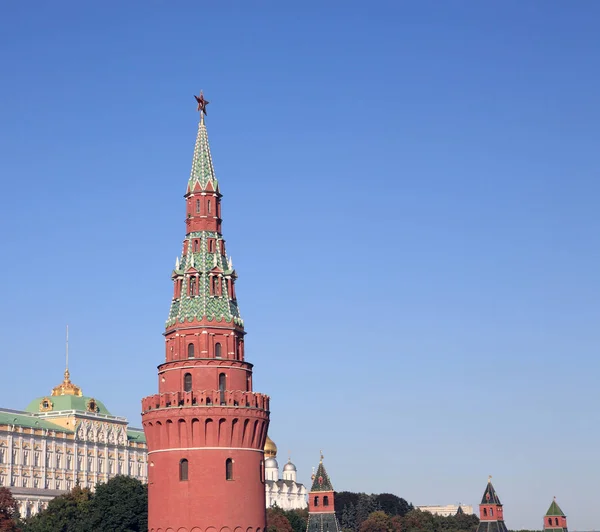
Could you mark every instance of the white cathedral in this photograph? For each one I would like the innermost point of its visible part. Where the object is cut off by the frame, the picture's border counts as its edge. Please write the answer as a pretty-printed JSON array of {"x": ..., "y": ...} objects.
[{"x": 285, "y": 493}]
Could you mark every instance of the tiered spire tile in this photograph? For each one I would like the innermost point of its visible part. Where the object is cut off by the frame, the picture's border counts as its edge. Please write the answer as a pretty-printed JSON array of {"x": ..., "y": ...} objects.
[
  {"x": 203, "y": 172},
  {"x": 321, "y": 480}
]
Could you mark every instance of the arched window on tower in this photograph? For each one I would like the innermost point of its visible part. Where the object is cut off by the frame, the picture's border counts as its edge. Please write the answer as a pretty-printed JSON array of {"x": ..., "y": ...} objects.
[
  {"x": 215, "y": 288},
  {"x": 229, "y": 469},
  {"x": 316, "y": 501},
  {"x": 556, "y": 521},
  {"x": 211, "y": 246},
  {"x": 222, "y": 387},
  {"x": 197, "y": 206},
  {"x": 209, "y": 207},
  {"x": 491, "y": 512},
  {"x": 183, "y": 469},
  {"x": 190, "y": 350},
  {"x": 195, "y": 246},
  {"x": 218, "y": 350},
  {"x": 550, "y": 520},
  {"x": 325, "y": 500},
  {"x": 484, "y": 512},
  {"x": 187, "y": 382},
  {"x": 192, "y": 286}
]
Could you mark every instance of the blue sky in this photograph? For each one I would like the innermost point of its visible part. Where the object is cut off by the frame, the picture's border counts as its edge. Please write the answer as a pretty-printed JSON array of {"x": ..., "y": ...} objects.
[{"x": 410, "y": 199}]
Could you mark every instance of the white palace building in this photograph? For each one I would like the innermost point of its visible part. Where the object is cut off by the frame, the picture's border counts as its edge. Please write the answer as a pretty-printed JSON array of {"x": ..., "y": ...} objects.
[{"x": 63, "y": 439}]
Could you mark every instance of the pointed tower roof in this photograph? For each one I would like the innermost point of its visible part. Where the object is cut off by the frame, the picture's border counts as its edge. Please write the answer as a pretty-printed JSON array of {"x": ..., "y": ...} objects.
[
  {"x": 460, "y": 511},
  {"x": 203, "y": 172},
  {"x": 489, "y": 495},
  {"x": 554, "y": 510},
  {"x": 320, "y": 479}
]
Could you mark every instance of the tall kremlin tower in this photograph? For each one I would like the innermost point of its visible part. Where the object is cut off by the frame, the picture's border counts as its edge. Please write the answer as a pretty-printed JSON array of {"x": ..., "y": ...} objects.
[
  {"x": 321, "y": 504},
  {"x": 555, "y": 520},
  {"x": 491, "y": 514},
  {"x": 205, "y": 427}
]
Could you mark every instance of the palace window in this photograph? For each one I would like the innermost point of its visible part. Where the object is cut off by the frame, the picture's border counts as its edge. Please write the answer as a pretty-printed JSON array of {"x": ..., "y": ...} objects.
[
  {"x": 229, "y": 469},
  {"x": 183, "y": 469},
  {"x": 187, "y": 382},
  {"x": 190, "y": 350},
  {"x": 217, "y": 350}
]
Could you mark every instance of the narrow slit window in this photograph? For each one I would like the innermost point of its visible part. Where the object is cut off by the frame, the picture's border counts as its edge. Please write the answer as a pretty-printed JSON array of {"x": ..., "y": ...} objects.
[
  {"x": 229, "y": 469},
  {"x": 218, "y": 350},
  {"x": 197, "y": 206},
  {"x": 190, "y": 350},
  {"x": 209, "y": 207},
  {"x": 183, "y": 469},
  {"x": 187, "y": 382}
]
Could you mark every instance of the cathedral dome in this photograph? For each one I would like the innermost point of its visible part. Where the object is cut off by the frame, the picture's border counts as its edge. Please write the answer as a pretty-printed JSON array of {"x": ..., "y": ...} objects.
[
  {"x": 271, "y": 462},
  {"x": 289, "y": 467},
  {"x": 270, "y": 448}
]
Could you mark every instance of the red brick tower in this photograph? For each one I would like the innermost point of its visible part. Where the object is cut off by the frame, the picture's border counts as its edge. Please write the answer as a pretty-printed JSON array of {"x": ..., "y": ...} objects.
[
  {"x": 555, "y": 520},
  {"x": 321, "y": 507},
  {"x": 491, "y": 514},
  {"x": 205, "y": 428}
]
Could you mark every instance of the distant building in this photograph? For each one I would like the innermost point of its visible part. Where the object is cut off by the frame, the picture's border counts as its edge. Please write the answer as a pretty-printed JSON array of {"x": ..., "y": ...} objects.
[
  {"x": 285, "y": 493},
  {"x": 555, "y": 520},
  {"x": 491, "y": 513},
  {"x": 321, "y": 503},
  {"x": 449, "y": 509},
  {"x": 63, "y": 439}
]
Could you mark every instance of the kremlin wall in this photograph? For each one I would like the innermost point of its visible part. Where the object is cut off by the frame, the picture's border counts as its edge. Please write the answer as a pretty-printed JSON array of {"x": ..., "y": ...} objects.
[{"x": 203, "y": 449}]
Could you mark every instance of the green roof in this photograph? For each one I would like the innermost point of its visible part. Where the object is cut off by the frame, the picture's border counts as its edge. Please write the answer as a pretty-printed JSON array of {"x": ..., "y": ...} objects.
[
  {"x": 136, "y": 435},
  {"x": 29, "y": 421},
  {"x": 321, "y": 480},
  {"x": 67, "y": 402},
  {"x": 202, "y": 172},
  {"x": 554, "y": 510}
]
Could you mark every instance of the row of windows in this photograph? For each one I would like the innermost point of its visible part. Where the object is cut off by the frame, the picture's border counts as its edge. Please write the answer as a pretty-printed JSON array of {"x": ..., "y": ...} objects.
[
  {"x": 555, "y": 521},
  {"x": 485, "y": 513},
  {"x": 199, "y": 206},
  {"x": 211, "y": 245},
  {"x": 216, "y": 287},
  {"x": 218, "y": 350},
  {"x": 325, "y": 500},
  {"x": 184, "y": 469}
]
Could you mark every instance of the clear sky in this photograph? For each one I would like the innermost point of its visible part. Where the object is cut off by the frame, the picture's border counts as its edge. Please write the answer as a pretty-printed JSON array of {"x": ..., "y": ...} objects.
[{"x": 411, "y": 201}]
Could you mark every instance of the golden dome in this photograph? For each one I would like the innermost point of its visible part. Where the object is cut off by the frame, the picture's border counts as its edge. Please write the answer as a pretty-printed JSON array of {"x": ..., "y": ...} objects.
[
  {"x": 270, "y": 448},
  {"x": 66, "y": 387}
]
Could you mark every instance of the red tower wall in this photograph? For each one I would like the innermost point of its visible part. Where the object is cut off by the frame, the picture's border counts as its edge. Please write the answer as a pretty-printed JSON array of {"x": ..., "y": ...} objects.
[
  {"x": 205, "y": 414},
  {"x": 317, "y": 500}
]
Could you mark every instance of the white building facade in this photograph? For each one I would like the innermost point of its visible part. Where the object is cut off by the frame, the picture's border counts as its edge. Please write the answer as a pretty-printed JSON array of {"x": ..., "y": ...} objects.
[
  {"x": 285, "y": 493},
  {"x": 70, "y": 439},
  {"x": 448, "y": 510}
]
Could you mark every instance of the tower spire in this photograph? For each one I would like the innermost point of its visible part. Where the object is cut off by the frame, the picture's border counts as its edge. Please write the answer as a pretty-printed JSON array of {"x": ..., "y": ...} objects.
[
  {"x": 321, "y": 506},
  {"x": 491, "y": 513},
  {"x": 205, "y": 376}
]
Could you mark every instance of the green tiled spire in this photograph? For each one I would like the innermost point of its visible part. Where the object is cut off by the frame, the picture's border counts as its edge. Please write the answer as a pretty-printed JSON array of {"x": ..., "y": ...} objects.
[
  {"x": 203, "y": 172},
  {"x": 321, "y": 480},
  {"x": 219, "y": 308},
  {"x": 554, "y": 510}
]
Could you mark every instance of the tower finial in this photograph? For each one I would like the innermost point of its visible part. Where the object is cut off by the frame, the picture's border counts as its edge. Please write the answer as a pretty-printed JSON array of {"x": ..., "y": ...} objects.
[
  {"x": 202, "y": 103},
  {"x": 321, "y": 456},
  {"x": 67, "y": 351},
  {"x": 489, "y": 479}
]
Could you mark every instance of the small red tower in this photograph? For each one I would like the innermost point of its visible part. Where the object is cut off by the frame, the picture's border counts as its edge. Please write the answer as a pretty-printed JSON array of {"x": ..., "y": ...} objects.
[
  {"x": 491, "y": 514},
  {"x": 205, "y": 427},
  {"x": 321, "y": 507},
  {"x": 555, "y": 520}
]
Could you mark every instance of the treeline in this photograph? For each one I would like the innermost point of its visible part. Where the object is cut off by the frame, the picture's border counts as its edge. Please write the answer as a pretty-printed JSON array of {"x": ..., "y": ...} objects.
[{"x": 120, "y": 505}]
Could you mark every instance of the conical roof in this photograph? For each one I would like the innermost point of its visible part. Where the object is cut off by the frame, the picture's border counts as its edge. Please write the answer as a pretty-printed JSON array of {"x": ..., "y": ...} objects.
[
  {"x": 554, "y": 510},
  {"x": 489, "y": 495},
  {"x": 321, "y": 480},
  {"x": 203, "y": 171}
]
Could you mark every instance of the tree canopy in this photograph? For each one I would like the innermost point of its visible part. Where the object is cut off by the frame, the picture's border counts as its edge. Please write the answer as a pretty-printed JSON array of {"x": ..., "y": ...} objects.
[{"x": 9, "y": 511}]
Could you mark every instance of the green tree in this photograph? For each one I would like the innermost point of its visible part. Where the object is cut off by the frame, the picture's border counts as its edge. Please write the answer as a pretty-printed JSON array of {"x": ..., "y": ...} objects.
[
  {"x": 65, "y": 513},
  {"x": 277, "y": 521},
  {"x": 120, "y": 505},
  {"x": 9, "y": 511},
  {"x": 376, "y": 522},
  {"x": 392, "y": 504},
  {"x": 298, "y": 519}
]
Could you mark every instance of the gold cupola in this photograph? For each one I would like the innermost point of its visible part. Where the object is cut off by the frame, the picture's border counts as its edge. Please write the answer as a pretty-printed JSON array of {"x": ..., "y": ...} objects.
[
  {"x": 66, "y": 387},
  {"x": 270, "y": 448}
]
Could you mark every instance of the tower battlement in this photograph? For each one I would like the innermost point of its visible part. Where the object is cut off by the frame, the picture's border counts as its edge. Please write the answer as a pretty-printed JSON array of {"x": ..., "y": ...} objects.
[{"x": 206, "y": 399}]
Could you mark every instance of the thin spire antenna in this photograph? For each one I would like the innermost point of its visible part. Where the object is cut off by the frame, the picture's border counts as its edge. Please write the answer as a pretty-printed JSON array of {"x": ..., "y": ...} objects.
[{"x": 67, "y": 350}]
